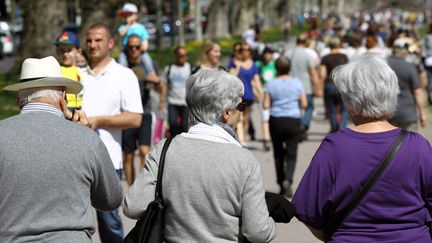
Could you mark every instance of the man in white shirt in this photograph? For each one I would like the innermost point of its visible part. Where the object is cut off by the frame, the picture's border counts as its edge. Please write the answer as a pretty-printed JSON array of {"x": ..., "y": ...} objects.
[{"x": 112, "y": 102}]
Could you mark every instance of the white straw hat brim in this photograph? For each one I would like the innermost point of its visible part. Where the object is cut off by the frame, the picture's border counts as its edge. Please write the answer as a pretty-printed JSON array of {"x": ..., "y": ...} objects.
[{"x": 71, "y": 87}]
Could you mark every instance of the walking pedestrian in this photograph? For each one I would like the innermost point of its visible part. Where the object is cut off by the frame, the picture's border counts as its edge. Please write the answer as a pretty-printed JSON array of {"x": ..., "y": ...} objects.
[
  {"x": 175, "y": 77},
  {"x": 285, "y": 97},
  {"x": 52, "y": 170},
  {"x": 397, "y": 207},
  {"x": 304, "y": 68},
  {"x": 112, "y": 102},
  {"x": 147, "y": 80},
  {"x": 212, "y": 187},
  {"x": 410, "y": 109},
  {"x": 247, "y": 72},
  {"x": 267, "y": 71},
  {"x": 336, "y": 110}
]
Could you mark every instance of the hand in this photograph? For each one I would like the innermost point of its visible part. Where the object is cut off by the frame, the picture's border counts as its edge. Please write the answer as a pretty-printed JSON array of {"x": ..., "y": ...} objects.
[
  {"x": 161, "y": 105},
  {"x": 80, "y": 117},
  {"x": 93, "y": 121},
  {"x": 319, "y": 93},
  {"x": 422, "y": 118},
  {"x": 131, "y": 19}
]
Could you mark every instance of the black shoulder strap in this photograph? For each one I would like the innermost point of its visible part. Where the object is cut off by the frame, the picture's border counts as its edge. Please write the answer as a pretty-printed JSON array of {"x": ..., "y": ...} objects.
[
  {"x": 334, "y": 222},
  {"x": 158, "y": 191}
]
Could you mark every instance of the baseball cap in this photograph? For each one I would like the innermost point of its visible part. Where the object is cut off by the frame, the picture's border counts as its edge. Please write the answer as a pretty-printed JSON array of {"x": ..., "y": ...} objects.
[
  {"x": 129, "y": 8},
  {"x": 67, "y": 38}
]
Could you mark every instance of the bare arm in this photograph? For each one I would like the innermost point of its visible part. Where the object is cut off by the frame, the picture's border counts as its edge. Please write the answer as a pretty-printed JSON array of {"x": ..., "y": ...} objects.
[
  {"x": 144, "y": 45},
  {"x": 153, "y": 77},
  {"x": 317, "y": 86},
  {"x": 121, "y": 121},
  {"x": 123, "y": 31},
  {"x": 322, "y": 73},
  {"x": 303, "y": 101},
  {"x": 266, "y": 101},
  {"x": 418, "y": 96},
  {"x": 257, "y": 87}
]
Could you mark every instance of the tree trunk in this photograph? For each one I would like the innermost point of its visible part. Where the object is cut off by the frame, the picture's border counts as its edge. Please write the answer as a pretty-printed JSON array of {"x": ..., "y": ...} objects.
[
  {"x": 198, "y": 27},
  {"x": 159, "y": 33},
  {"x": 181, "y": 30},
  {"x": 217, "y": 24},
  {"x": 244, "y": 16},
  {"x": 96, "y": 11},
  {"x": 43, "y": 22}
]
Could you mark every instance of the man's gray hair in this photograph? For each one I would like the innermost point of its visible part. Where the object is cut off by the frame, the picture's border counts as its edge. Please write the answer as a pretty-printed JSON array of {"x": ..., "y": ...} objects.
[
  {"x": 26, "y": 96},
  {"x": 210, "y": 92},
  {"x": 368, "y": 86}
]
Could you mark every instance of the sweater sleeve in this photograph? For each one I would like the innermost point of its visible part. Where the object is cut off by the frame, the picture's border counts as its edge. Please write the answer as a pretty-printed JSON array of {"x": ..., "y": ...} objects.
[
  {"x": 142, "y": 191},
  {"x": 106, "y": 190},
  {"x": 257, "y": 225}
]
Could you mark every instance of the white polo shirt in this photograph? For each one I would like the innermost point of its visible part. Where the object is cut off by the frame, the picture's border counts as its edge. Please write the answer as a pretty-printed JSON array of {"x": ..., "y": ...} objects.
[{"x": 112, "y": 91}]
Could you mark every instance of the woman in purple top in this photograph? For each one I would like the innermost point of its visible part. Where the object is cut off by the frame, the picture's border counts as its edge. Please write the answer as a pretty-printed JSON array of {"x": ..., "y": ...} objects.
[{"x": 396, "y": 208}]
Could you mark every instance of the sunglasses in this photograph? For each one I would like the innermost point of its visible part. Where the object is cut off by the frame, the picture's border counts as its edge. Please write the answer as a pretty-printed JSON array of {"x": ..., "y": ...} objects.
[
  {"x": 241, "y": 106},
  {"x": 134, "y": 47}
]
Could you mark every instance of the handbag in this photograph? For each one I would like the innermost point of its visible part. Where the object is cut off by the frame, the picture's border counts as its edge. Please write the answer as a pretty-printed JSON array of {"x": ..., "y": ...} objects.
[
  {"x": 149, "y": 228},
  {"x": 334, "y": 222}
]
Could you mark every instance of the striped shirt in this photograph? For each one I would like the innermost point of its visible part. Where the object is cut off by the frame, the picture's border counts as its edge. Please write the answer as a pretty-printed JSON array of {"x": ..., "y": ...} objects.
[{"x": 36, "y": 107}]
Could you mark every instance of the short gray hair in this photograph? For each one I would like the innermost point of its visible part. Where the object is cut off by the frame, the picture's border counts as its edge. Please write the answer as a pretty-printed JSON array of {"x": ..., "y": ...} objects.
[
  {"x": 210, "y": 92},
  {"x": 26, "y": 96},
  {"x": 368, "y": 86}
]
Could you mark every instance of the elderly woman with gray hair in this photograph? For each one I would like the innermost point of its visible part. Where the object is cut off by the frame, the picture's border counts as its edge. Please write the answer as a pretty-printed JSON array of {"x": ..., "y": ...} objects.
[
  {"x": 396, "y": 208},
  {"x": 213, "y": 188}
]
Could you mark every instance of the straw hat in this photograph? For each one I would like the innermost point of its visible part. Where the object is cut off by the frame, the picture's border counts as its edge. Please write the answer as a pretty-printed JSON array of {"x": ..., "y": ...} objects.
[{"x": 44, "y": 72}]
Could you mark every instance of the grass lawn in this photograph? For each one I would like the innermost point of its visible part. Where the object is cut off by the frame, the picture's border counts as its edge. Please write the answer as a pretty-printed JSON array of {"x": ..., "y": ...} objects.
[{"x": 8, "y": 106}]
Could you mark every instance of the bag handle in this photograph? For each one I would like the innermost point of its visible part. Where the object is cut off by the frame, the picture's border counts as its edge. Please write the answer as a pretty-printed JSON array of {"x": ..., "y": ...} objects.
[
  {"x": 335, "y": 222},
  {"x": 158, "y": 191}
]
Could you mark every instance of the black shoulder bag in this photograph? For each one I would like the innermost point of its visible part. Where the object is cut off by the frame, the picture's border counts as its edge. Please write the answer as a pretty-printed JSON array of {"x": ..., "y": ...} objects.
[
  {"x": 334, "y": 222},
  {"x": 149, "y": 229}
]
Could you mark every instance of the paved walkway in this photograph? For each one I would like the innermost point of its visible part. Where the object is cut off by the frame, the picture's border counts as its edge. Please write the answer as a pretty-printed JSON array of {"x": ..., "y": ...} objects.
[{"x": 294, "y": 231}]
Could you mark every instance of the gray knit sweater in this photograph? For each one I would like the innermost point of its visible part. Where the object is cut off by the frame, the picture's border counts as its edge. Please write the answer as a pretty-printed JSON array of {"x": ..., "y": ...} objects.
[
  {"x": 52, "y": 171},
  {"x": 213, "y": 192}
]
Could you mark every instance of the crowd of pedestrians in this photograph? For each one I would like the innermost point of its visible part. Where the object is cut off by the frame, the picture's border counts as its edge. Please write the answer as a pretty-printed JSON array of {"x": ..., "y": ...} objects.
[{"x": 372, "y": 71}]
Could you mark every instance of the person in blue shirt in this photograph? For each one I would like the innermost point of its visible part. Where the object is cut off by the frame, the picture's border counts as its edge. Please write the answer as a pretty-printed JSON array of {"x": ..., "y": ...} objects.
[
  {"x": 129, "y": 27},
  {"x": 285, "y": 97}
]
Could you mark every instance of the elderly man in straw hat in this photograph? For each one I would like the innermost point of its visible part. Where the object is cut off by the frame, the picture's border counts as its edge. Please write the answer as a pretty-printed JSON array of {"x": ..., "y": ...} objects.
[{"x": 52, "y": 171}]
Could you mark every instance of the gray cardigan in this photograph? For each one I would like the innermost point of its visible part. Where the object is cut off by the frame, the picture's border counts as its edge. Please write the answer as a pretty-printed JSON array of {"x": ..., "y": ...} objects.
[
  {"x": 213, "y": 192},
  {"x": 52, "y": 171}
]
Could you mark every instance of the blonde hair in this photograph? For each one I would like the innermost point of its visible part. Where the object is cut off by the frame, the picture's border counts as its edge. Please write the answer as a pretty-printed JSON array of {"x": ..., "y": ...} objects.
[{"x": 205, "y": 49}]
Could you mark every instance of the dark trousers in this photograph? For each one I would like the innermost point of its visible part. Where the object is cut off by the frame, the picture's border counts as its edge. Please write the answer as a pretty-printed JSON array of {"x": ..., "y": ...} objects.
[
  {"x": 335, "y": 107},
  {"x": 308, "y": 114},
  {"x": 178, "y": 119},
  {"x": 285, "y": 135}
]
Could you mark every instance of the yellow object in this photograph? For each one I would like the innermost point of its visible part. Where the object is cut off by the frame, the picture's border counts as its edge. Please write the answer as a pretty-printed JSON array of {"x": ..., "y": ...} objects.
[{"x": 74, "y": 100}]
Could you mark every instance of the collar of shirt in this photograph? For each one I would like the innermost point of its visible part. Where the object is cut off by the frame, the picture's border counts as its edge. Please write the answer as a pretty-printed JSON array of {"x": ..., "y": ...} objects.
[
  {"x": 41, "y": 107},
  {"x": 213, "y": 133},
  {"x": 106, "y": 69}
]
